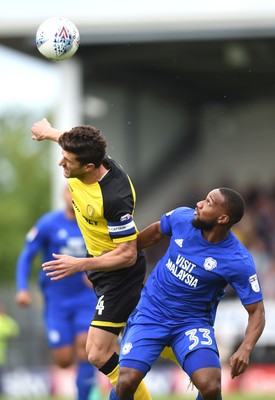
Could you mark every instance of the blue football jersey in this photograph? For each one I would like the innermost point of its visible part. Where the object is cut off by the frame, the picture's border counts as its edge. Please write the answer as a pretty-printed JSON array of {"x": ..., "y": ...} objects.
[
  {"x": 53, "y": 233},
  {"x": 190, "y": 279}
]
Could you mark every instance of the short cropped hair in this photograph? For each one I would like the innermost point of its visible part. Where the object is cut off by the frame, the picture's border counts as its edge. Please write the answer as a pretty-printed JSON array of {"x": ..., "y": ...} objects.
[
  {"x": 234, "y": 204},
  {"x": 86, "y": 142}
]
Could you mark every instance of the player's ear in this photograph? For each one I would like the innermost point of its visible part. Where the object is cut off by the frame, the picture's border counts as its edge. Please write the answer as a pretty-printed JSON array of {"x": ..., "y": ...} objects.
[
  {"x": 223, "y": 219},
  {"x": 90, "y": 167}
]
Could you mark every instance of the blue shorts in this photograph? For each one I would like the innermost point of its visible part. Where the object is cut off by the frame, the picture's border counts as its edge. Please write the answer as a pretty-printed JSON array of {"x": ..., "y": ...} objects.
[
  {"x": 67, "y": 317},
  {"x": 142, "y": 343}
]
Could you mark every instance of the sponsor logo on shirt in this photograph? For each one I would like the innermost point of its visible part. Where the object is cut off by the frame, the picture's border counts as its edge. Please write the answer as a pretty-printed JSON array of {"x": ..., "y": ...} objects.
[
  {"x": 182, "y": 269},
  {"x": 209, "y": 264},
  {"x": 253, "y": 279}
]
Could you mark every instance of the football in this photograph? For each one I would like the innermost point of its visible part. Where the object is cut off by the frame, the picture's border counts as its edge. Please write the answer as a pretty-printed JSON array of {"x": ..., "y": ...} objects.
[{"x": 57, "y": 38}]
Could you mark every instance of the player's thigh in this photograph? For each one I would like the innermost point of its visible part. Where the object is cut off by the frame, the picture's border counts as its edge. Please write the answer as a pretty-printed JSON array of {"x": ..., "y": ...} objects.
[
  {"x": 142, "y": 344},
  {"x": 188, "y": 340},
  {"x": 204, "y": 368},
  {"x": 101, "y": 344}
]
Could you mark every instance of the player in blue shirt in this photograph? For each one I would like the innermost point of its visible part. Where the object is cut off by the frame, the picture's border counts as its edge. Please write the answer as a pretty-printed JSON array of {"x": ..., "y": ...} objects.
[
  {"x": 179, "y": 301},
  {"x": 68, "y": 303}
]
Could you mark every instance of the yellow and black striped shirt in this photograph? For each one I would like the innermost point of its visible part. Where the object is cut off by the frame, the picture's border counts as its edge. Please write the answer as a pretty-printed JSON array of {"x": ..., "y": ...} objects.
[{"x": 104, "y": 212}]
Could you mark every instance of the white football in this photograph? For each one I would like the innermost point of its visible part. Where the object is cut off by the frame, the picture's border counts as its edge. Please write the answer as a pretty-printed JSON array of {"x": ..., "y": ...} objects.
[{"x": 57, "y": 38}]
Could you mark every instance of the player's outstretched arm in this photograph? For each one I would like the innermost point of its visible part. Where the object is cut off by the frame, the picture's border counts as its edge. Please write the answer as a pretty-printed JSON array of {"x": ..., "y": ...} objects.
[
  {"x": 256, "y": 322},
  {"x": 123, "y": 256},
  {"x": 149, "y": 236},
  {"x": 42, "y": 130}
]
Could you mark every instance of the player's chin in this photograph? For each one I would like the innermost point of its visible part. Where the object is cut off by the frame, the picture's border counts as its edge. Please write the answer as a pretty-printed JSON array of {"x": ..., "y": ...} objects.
[{"x": 66, "y": 173}]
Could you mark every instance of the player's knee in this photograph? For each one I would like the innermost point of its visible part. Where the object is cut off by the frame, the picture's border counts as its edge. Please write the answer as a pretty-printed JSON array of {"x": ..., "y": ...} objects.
[
  {"x": 211, "y": 390},
  {"x": 98, "y": 359},
  {"x": 64, "y": 363},
  {"x": 128, "y": 382},
  {"x": 94, "y": 359},
  {"x": 63, "y": 359}
]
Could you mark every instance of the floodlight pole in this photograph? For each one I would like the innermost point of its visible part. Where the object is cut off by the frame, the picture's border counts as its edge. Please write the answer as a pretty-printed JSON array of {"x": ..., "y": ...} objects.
[{"x": 67, "y": 114}]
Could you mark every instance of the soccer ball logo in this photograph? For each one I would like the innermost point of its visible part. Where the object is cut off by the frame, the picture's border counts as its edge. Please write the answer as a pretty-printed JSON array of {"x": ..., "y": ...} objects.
[{"x": 57, "y": 39}]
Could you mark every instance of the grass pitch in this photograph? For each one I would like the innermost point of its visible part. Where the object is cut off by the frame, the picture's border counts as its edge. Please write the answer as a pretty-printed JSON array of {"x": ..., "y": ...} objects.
[{"x": 233, "y": 396}]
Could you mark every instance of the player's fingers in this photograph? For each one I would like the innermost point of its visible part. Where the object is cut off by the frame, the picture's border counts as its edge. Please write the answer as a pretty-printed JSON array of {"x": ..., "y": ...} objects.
[
  {"x": 50, "y": 264},
  {"x": 57, "y": 277}
]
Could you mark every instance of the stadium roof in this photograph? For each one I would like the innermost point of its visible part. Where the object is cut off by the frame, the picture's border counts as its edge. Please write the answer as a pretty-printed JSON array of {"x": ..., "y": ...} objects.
[{"x": 122, "y": 21}]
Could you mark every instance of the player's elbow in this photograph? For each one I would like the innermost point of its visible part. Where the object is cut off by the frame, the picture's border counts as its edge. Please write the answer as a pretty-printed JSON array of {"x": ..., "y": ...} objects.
[
  {"x": 131, "y": 257},
  {"x": 129, "y": 253}
]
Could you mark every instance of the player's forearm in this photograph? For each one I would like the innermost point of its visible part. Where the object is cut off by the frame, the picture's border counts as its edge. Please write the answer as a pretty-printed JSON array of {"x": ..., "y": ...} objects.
[
  {"x": 256, "y": 322},
  {"x": 255, "y": 327},
  {"x": 123, "y": 256},
  {"x": 54, "y": 134},
  {"x": 23, "y": 270},
  {"x": 111, "y": 261},
  {"x": 149, "y": 236}
]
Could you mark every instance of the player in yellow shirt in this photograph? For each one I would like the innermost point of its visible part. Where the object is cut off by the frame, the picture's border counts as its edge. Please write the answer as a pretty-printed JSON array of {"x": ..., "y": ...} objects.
[{"x": 104, "y": 202}]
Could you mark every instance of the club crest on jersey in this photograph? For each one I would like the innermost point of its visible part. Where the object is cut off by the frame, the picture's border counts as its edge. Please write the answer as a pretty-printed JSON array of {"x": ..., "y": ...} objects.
[
  {"x": 209, "y": 264},
  {"x": 90, "y": 210},
  {"x": 253, "y": 279},
  {"x": 127, "y": 348}
]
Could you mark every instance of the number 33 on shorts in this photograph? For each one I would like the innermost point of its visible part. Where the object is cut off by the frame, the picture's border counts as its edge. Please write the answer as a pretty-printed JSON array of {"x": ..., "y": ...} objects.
[{"x": 200, "y": 336}]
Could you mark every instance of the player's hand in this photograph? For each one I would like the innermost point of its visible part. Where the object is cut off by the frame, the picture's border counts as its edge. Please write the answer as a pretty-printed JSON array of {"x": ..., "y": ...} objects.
[
  {"x": 239, "y": 362},
  {"x": 23, "y": 298},
  {"x": 62, "y": 266},
  {"x": 41, "y": 129}
]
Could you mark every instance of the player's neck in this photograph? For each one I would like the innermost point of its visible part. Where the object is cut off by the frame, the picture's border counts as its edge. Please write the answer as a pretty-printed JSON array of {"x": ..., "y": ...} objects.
[
  {"x": 95, "y": 176},
  {"x": 214, "y": 236}
]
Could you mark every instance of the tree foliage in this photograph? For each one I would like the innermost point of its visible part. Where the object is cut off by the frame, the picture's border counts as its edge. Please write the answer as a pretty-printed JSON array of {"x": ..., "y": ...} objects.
[{"x": 24, "y": 187}]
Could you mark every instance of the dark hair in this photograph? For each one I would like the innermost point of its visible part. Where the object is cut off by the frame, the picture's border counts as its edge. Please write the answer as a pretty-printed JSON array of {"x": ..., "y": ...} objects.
[
  {"x": 86, "y": 142},
  {"x": 234, "y": 204}
]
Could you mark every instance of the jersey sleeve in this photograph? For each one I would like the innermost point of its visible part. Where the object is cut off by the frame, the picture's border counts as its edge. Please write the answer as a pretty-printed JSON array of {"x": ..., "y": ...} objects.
[
  {"x": 123, "y": 229},
  {"x": 171, "y": 218},
  {"x": 247, "y": 284},
  {"x": 119, "y": 205},
  {"x": 34, "y": 242}
]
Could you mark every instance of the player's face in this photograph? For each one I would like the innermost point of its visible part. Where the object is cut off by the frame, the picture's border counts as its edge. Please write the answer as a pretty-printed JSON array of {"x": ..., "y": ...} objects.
[
  {"x": 71, "y": 167},
  {"x": 208, "y": 211}
]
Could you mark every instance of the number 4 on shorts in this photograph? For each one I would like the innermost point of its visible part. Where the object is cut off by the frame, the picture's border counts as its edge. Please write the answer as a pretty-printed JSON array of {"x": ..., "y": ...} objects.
[{"x": 100, "y": 305}]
